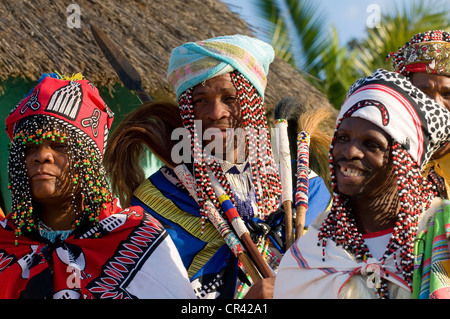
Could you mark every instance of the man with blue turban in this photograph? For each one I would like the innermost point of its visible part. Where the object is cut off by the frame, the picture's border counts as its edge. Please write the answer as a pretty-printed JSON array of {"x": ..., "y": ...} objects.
[{"x": 219, "y": 84}]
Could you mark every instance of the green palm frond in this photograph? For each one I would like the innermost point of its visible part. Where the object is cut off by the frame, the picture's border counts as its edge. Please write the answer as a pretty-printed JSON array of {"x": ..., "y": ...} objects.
[
  {"x": 299, "y": 33},
  {"x": 297, "y": 26},
  {"x": 337, "y": 70},
  {"x": 281, "y": 41}
]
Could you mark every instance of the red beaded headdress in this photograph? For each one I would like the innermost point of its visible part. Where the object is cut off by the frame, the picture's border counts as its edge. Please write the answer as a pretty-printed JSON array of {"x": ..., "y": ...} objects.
[
  {"x": 427, "y": 52},
  {"x": 72, "y": 101}
]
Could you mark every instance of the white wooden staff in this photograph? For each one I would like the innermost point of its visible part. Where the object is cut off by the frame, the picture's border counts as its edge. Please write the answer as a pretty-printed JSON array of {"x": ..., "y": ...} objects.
[{"x": 284, "y": 156}]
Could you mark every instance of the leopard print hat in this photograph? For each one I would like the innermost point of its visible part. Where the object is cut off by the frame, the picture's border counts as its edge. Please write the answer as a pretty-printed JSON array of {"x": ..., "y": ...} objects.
[{"x": 408, "y": 115}]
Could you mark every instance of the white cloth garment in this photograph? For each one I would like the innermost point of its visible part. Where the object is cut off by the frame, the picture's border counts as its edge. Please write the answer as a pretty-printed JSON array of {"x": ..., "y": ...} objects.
[{"x": 303, "y": 274}]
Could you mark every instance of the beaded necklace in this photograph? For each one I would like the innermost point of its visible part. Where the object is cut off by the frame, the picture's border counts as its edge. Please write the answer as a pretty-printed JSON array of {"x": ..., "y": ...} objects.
[
  {"x": 239, "y": 177},
  {"x": 53, "y": 235},
  {"x": 439, "y": 182}
]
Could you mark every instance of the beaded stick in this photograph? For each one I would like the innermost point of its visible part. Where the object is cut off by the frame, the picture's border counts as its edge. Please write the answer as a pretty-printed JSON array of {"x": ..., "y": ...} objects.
[
  {"x": 219, "y": 222},
  {"x": 239, "y": 226},
  {"x": 301, "y": 194}
]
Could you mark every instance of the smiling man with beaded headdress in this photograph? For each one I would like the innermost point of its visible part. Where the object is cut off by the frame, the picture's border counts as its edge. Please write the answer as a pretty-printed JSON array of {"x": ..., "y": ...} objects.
[
  {"x": 220, "y": 85},
  {"x": 65, "y": 236},
  {"x": 386, "y": 132}
]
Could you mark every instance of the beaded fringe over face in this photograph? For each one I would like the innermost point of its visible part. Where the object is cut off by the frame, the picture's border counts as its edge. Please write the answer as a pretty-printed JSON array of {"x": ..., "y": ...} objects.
[
  {"x": 264, "y": 174},
  {"x": 87, "y": 175},
  {"x": 414, "y": 192},
  {"x": 391, "y": 102}
]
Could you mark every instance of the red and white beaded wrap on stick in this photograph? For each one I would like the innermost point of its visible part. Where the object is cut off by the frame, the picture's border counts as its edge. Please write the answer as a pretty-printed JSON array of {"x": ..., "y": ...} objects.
[
  {"x": 219, "y": 223},
  {"x": 301, "y": 194}
]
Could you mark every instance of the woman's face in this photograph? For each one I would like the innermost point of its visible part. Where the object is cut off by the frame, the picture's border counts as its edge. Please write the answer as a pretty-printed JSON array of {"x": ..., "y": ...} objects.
[
  {"x": 46, "y": 165},
  {"x": 361, "y": 154}
]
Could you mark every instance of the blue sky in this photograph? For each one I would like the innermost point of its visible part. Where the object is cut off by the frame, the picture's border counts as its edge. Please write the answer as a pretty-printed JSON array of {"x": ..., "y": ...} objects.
[{"x": 348, "y": 16}]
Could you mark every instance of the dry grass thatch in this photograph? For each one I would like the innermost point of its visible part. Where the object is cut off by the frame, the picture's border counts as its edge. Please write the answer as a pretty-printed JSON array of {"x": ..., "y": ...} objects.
[{"x": 35, "y": 38}]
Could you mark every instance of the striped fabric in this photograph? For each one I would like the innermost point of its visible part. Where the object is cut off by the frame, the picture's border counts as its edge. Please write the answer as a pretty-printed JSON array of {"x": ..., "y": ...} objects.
[
  {"x": 150, "y": 195},
  {"x": 211, "y": 266},
  {"x": 431, "y": 279},
  {"x": 303, "y": 274}
]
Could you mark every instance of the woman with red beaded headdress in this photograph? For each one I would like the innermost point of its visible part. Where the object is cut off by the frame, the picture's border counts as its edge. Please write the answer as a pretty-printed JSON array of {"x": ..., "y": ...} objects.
[
  {"x": 386, "y": 132},
  {"x": 65, "y": 236},
  {"x": 220, "y": 84}
]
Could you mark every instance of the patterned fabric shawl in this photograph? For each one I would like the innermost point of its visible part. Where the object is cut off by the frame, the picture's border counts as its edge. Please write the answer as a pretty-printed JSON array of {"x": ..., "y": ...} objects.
[
  {"x": 211, "y": 266},
  {"x": 132, "y": 248}
]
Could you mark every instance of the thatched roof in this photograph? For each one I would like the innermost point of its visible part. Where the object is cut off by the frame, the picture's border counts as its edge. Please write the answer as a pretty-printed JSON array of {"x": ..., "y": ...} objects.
[{"x": 35, "y": 38}]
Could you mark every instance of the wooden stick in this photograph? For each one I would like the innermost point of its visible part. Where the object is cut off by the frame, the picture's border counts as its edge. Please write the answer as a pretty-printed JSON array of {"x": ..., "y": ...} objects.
[
  {"x": 250, "y": 267},
  {"x": 288, "y": 222},
  {"x": 232, "y": 241},
  {"x": 255, "y": 255},
  {"x": 300, "y": 216},
  {"x": 241, "y": 230}
]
